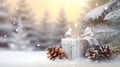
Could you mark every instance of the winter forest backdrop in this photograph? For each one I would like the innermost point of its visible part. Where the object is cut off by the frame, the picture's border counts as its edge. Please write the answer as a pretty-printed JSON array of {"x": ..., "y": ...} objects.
[{"x": 18, "y": 30}]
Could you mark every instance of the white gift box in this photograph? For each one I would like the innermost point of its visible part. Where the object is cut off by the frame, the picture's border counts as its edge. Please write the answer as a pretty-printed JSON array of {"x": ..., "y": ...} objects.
[
  {"x": 73, "y": 48},
  {"x": 67, "y": 47},
  {"x": 77, "y": 49}
]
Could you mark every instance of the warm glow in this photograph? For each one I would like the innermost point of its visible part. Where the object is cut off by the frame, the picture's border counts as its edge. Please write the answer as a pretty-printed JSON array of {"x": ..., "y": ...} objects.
[
  {"x": 72, "y": 8},
  {"x": 65, "y": 2}
]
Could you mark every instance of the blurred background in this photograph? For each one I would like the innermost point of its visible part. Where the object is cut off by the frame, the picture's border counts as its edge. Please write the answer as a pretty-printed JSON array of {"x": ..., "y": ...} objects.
[{"x": 37, "y": 24}]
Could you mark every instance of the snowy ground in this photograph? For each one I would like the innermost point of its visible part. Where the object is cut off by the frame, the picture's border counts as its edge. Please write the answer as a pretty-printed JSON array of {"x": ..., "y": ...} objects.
[{"x": 39, "y": 59}]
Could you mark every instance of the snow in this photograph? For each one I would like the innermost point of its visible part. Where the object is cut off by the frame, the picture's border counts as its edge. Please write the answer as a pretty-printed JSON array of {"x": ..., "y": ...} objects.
[
  {"x": 27, "y": 59},
  {"x": 88, "y": 35},
  {"x": 113, "y": 16},
  {"x": 69, "y": 33},
  {"x": 39, "y": 59},
  {"x": 88, "y": 32},
  {"x": 95, "y": 13}
]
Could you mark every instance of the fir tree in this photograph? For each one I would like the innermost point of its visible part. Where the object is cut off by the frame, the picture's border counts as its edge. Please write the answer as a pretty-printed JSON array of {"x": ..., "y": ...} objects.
[
  {"x": 60, "y": 27},
  {"x": 6, "y": 26},
  {"x": 45, "y": 30},
  {"x": 26, "y": 34}
]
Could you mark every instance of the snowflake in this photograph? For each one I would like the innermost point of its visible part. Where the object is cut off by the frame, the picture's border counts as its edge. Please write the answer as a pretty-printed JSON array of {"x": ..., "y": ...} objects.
[
  {"x": 5, "y": 36},
  {"x": 16, "y": 30},
  {"x": 106, "y": 8},
  {"x": 75, "y": 25},
  {"x": 96, "y": 4},
  {"x": 14, "y": 23},
  {"x": 38, "y": 45},
  {"x": 16, "y": 8}
]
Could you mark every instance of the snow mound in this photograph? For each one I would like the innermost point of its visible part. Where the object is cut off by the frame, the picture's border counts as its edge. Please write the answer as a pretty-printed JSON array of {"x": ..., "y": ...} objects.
[
  {"x": 29, "y": 59},
  {"x": 39, "y": 59}
]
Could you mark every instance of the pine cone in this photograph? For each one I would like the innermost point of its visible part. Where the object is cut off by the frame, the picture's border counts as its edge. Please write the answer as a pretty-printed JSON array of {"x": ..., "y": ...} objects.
[
  {"x": 60, "y": 52},
  {"x": 92, "y": 54},
  {"x": 55, "y": 52},
  {"x": 49, "y": 51},
  {"x": 105, "y": 52},
  {"x": 99, "y": 52}
]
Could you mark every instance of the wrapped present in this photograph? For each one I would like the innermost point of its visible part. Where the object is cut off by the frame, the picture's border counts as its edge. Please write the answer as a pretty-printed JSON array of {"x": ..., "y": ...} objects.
[
  {"x": 77, "y": 49},
  {"x": 67, "y": 47},
  {"x": 74, "y": 48}
]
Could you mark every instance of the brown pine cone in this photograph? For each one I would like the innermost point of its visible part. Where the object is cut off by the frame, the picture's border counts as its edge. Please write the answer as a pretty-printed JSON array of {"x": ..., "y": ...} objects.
[
  {"x": 49, "y": 51},
  {"x": 61, "y": 54},
  {"x": 55, "y": 52}
]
